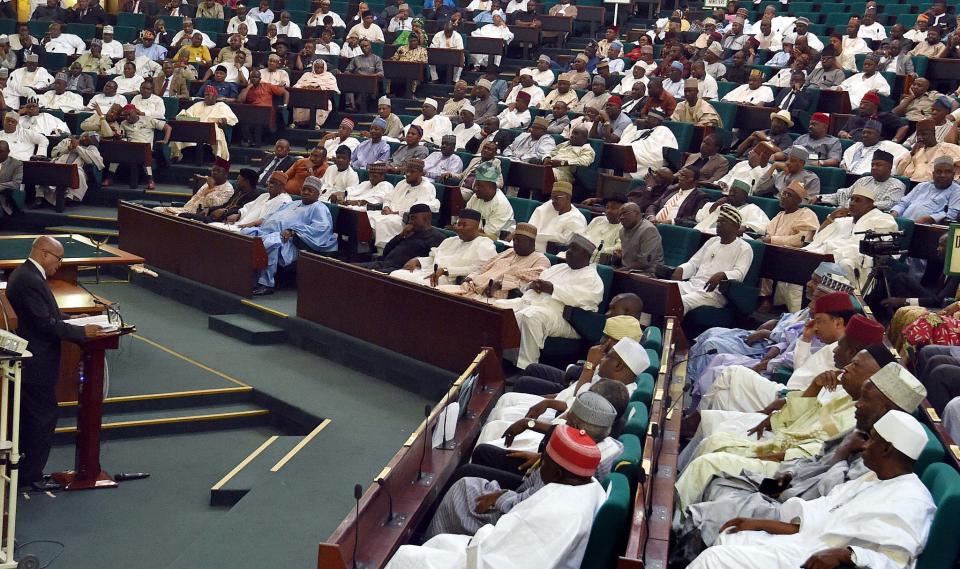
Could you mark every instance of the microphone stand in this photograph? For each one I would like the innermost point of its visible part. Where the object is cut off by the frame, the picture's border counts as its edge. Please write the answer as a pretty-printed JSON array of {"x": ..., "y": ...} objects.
[{"x": 424, "y": 478}]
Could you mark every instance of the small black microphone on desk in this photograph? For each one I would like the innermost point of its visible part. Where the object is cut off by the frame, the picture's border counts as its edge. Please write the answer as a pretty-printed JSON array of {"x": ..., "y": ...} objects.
[
  {"x": 357, "y": 494},
  {"x": 124, "y": 476},
  {"x": 393, "y": 518},
  {"x": 424, "y": 478}
]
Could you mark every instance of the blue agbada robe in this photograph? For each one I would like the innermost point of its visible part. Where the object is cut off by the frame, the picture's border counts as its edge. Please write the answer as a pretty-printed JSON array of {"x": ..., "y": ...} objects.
[{"x": 312, "y": 223}]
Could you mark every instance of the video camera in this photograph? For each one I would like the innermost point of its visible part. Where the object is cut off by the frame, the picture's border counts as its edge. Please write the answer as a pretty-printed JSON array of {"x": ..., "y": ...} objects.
[{"x": 877, "y": 244}]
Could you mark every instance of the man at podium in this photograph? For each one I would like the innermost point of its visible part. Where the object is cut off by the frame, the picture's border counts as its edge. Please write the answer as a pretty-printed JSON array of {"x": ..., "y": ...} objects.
[{"x": 41, "y": 324}]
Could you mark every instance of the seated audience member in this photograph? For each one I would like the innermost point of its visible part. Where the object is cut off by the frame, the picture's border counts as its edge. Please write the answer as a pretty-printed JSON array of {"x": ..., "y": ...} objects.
[
  {"x": 340, "y": 137},
  {"x": 211, "y": 110},
  {"x": 532, "y": 146},
  {"x": 782, "y": 175},
  {"x": 245, "y": 191},
  {"x": 752, "y": 217},
  {"x": 516, "y": 115},
  {"x": 557, "y": 220},
  {"x": 143, "y": 129},
  {"x": 891, "y": 496},
  {"x": 777, "y": 136},
  {"x": 60, "y": 98},
  {"x": 694, "y": 109},
  {"x": 313, "y": 165},
  {"x": 869, "y": 81},
  {"x": 252, "y": 213},
  {"x": 260, "y": 93},
  {"x": 371, "y": 191},
  {"x": 560, "y": 515},
  {"x": 725, "y": 257},
  {"x": 649, "y": 137},
  {"x": 934, "y": 201},
  {"x": 410, "y": 151},
  {"x": 858, "y": 158},
  {"x": 82, "y": 151},
  {"x": 454, "y": 258},
  {"x": 562, "y": 93},
  {"x": 918, "y": 164},
  {"x": 681, "y": 202},
  {"x": 540, "y": 311},
  {"x": 888, "y": 190},
  {"x": 435, "y": 126},
  {"x": 916, "y": 103},
  {"x": 944, "y": 124},
  {"x": 413, "y": 189},
  {"x": 604, "y": 230},
  {"x": 374, "y": 149},
  {"x": 306, "y": 221},
  {"x": 641, "y": 247},
  {"x": 823, "y": 148},
  {"x": 496, "y": 212},
  {"x": 869, "y": 109},
  {"x": 710, "y": 164},
  {"x": 339, "y": 177},
  {"x": 467, "y": 128},
  {"x": 443, "y": 161},
  {"x": 569, "y": 155},
  {"x": 417, "y": 239},
  {"x": 508, "y": 273},
  {"x": 43, "y": 123},
  {"x": 212, "y": 195},
  {"x": 753, "y": 93}
]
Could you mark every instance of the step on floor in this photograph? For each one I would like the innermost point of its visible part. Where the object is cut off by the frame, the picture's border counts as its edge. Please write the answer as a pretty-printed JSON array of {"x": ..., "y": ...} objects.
[
  {"x": 247, "y": 329},
  {"x": 236, "y": 483}
]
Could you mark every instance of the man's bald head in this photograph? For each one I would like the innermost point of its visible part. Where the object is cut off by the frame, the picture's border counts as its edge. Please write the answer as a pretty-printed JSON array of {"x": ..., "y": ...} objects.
[
  {"x": 48, "y": 252},
  {"x": 625, "y": 304}
]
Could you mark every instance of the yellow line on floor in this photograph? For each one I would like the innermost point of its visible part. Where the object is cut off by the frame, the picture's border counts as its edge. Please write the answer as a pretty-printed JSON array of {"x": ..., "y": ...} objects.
[
  {"x": 171, "y": 420},
  {"x": 300, "y": 445},
  {"x": 190, "y": 360},
  {"x": 169, "y": 395},
  {"x": 243, "y": 464},
  {"x": 263, "y": 308}
]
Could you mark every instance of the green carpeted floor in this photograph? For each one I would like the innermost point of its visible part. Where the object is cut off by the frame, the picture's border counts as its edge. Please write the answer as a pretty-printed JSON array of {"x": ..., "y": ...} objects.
[{"x": 166, "y": 521}]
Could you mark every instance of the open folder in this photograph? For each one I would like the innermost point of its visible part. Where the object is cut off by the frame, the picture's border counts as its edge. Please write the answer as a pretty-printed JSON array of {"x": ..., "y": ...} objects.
[{"x": 101, "y": 320}]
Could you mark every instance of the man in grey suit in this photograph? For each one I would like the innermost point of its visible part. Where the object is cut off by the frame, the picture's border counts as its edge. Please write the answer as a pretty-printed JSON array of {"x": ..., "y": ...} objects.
[{"x": 11, "y": 177}]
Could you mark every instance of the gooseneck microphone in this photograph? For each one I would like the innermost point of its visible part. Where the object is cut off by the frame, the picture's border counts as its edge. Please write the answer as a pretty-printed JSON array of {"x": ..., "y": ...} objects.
[
  {"x": 357, "y": 494},
  {"x": 424, "y": 477},
  {"x": 687, "y": 383}
]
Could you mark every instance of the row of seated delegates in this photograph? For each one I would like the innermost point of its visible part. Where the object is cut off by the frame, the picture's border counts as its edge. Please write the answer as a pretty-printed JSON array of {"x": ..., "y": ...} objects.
[
  {"x": 509, "y": 479},
  {"x": 816, "y": 449}
]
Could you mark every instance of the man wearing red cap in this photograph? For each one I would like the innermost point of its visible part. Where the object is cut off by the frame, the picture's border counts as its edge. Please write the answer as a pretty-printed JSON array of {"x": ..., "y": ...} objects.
[
  {"x": 741, "y": 389},
  {"x": 548, "y": 530},
  {"x": 824, "y": 148},
  {"x": 213, "y": 111},
  {"x": 867, "y": 83},
  {"x": 516, "y": 115}
]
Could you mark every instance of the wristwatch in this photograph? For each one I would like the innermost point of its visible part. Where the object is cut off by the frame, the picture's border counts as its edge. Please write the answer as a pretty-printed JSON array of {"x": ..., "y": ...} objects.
[
  {"x": 531, "y": 424},
  {"x": 588, "y": 366}
]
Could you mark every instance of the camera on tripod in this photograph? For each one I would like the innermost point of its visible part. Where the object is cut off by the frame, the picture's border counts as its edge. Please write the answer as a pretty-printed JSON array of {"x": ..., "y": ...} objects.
[{"x": 877, "y": 244}]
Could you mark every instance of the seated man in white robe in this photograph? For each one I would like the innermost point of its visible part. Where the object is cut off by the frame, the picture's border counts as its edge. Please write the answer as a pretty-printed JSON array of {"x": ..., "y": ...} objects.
[
  {"x": 308, "y": 220},
  {"x": 373, "y": 190},
  {"x": 464, "y": 508},
  {"x": 881, "y": 519},
  {"x": 557, "y": 220},
  {"x": 725, "y": 257},
  {"x": 435, "y": 126},
  {"x": 752, "y": 218},
  {"x": 558, "y": 518},
  {"x": 496, "y": 211},
  {"x": 253, "y": 213},
  {"x": 841, "y": 460},
  {"x": 413, "y": 189},
  {"x": 648, "y": 138},
  {"x": 43, "y": 123},
  {"x": 208, "y": 110},
  {"x": 532, "y": 146},
  {"x": 741, "y": 389},
  {"x": 339, "y": 175},
  {"x": 80, "y": 150},
  {"x": 214, "y": 194},
  {"x": 27, "y": 80},
  {"x": 455, "y": 257},
  {"x": 540, "y": 311},
  {"x": 508, "y": 272},
  {"x": 60, "y": 98}
]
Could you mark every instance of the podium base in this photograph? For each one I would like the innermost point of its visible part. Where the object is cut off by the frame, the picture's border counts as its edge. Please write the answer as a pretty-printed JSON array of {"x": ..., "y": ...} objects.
[{"x": 69, "y": 481}]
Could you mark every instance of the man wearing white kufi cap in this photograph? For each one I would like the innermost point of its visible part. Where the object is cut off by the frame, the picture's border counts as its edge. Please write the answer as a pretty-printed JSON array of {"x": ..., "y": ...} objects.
[
  {"x": 623, "y": 362},
  {"x": 467, "y": 128},
  {"x": 26, "y": 80},
  {"x": 539, "y": 311},
  {"x": 840, "y": 234},
  {"x": 881, "y": 519},
  {"x": 434, "y": 125},
  {"x": 394, "y": 128}
]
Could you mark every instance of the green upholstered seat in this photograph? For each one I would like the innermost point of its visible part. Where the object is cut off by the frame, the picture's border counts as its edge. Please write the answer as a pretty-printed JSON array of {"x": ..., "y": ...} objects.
[
  {"x": 608, "y": 536},
  {"x": 636, "y": 420},
  {"x": 679, "y": 243},
  {"x": 932, "y": 453},
  {"x": 942, "y": 543},
  {"x": 644, "y": 390},
  {"x": 652, "y": 338}
]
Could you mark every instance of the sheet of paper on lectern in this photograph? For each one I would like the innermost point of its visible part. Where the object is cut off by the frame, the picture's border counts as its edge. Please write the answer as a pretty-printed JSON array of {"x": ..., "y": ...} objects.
[{"x": 101, "y": 320}]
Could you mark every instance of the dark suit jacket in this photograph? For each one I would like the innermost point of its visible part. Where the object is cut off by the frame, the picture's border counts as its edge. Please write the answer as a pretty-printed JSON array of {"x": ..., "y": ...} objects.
[
  {"x": 94, "y": 15},
  {"x": 687, "y": 213},
  {"x": 40, "y": 323},
  {"x": 11, "y": 174},
  {"x": 284, "y": 165},
  {"x": 801, "y": 102},
  {"x": 35, "y": 48}
]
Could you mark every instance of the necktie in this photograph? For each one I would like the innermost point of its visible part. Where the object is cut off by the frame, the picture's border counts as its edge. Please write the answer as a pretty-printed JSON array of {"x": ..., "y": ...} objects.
[
  {"x": 787, "y": 101},
  {"x": 673, "y": 203},
  {"x": 269, "y": 170}
]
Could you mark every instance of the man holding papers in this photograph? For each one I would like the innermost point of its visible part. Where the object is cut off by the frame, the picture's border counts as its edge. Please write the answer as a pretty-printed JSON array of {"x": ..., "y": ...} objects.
[{"x": 42, "y": 325}]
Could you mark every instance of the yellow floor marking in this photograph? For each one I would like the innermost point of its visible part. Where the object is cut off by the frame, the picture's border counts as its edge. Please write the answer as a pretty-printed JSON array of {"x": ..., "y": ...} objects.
[
  {"x": 190, "y": 360},
  {"x": 300, "y": 445},
  {"x": 245, "y": 462}
]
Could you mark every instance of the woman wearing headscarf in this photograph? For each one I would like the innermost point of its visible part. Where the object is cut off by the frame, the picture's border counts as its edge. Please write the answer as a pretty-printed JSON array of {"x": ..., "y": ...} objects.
[{"x": 321, "y": 79}]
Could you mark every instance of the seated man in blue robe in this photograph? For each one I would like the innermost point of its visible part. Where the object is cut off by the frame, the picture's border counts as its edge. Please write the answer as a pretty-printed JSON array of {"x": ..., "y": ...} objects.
[{"x": 307, "y": 219}]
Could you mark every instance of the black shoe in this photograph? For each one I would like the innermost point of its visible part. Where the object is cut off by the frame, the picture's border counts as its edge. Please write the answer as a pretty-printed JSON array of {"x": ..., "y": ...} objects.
[
  {"x": 44, "y": 486},
  {"x": 262, "y": 290}
]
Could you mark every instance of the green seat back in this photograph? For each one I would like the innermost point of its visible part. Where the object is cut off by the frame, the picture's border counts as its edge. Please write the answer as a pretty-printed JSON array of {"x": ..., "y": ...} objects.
[
  {"x": 334, "y": 211},
  {"x": 38, "y": 28},
  {"x": 831, "y": 179},
  {"x": 209, "y": 25},
  {"x": 175, "y": 23},
  {"x": 654, "y": 367},
  {"x": 171, "y": 107},
  {"x": 652, "y": 338},
  {"x": 137, "y": 20},
  {"x": 644, "y": 391},
  {"x": 920, "y": 64},
  {"x": 125, "y": 34},
  {"x": 8, "y": 26},
  {"x": 770, "y": 206},
  {"x": 942, "y": 543},
  {"x": 724, "y": 87},
  {"x": 609, "y": 532},
  {"x": 679, "y": 243},
  {"x": 727, "y": 112},
  {"x": 932, "y": 453},
  {"x": 683, "y": 133},
  {"x": 522, "y": 208},
  {"x": 628, "y": 463},
  {"x": 636, "y": 420}
]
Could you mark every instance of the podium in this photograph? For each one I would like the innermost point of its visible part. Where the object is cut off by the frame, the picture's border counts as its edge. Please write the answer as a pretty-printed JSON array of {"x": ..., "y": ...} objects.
[{"x": 87, "y": 473}]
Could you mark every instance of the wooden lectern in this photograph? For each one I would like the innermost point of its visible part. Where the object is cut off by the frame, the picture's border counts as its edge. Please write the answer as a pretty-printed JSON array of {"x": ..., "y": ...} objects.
[{"x": 87, "y": 473}]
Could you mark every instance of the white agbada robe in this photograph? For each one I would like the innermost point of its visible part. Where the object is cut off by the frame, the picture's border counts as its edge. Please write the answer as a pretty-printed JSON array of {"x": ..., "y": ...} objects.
[
  {"x": 25, "y": 142},
  {"x": 490, "y": 31},
  {"x": 743, "y": 94},
  {"x": 464, "y": 134},
  {"x": 82, "y": 156},
  {"x": 557, "y": 519},
  {"x": 859, "y": 85},
  {"x": 334, "y": 181},
  {"x": 553, "y": 226},
  {"x": 433, "y": 129},
  {"x": 46, "y": 124},
  {"x": 648, "y": 147},
  {"x": 842, "y": 240},
  {"x": 105, "y": 102},
  {"x": 514, "y": 405},
  {"x": 69, "y": 44},
  {"x": 365, "y": 191},
  {"x": 126, "y": 85},
  {"x": 496, "y": 215},
  {"x": 114, "y": 49},
  {"x": 753, "y": 218},
  {"x": 739, "y": 388},
  {"x": 513, "y": 118},
  {"x": 332, "y": 144},
  {"x": 885, "y": 522},
  {"x": 535, "y": 92},
  {"x": 260, "y": 208},
  {"x": 733, "y": 259},
  {"x": 858, "y": 160},
  {"x": 540, "y": 315},
  {"x": 707, "y": 87},
  {"x": 67, "y": 101},
  {"x": 458, "y": 257},
  {"x": 542, "y": 78},
  {"x": 24, "y": 83},
  {"x": 208, "y": 113},
  {"x": 742, "y": 171},
  {"x": 403, "y": 197}
]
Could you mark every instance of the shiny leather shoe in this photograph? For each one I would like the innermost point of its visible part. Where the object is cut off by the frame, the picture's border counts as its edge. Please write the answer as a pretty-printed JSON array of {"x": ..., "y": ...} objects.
[{"x": 262, "y": 291}]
